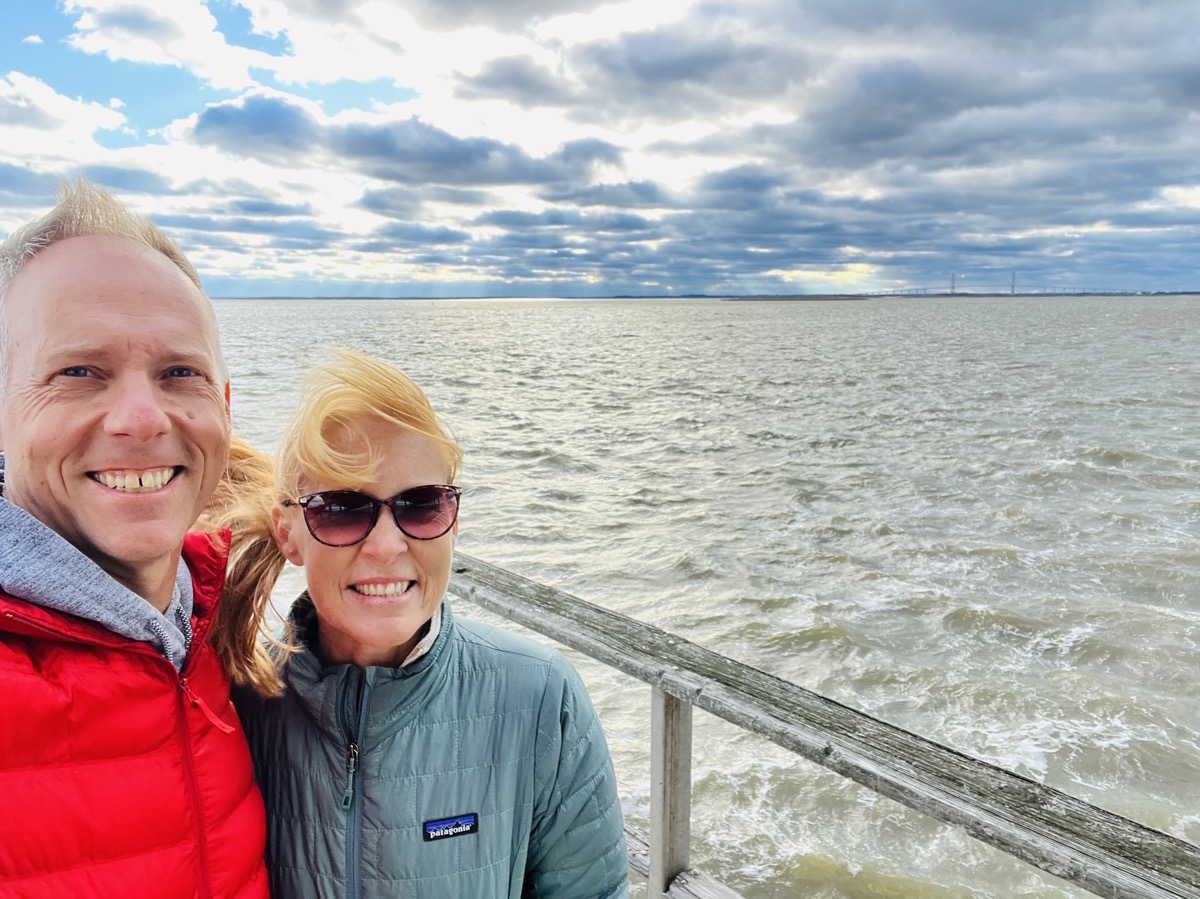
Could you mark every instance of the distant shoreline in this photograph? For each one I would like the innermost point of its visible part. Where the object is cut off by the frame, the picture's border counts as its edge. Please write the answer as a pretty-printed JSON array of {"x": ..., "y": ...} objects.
[
  {"x": 787, "y": 297},
  {"x": 966, "y": 295}
]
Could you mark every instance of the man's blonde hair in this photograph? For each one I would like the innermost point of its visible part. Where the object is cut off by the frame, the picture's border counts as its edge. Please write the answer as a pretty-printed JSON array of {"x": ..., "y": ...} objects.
[{"x": 85, "y": 210}]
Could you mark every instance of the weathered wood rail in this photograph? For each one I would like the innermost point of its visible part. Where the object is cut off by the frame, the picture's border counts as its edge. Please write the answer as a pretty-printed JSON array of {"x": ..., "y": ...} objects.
[{"x": 1102, "y": 852}]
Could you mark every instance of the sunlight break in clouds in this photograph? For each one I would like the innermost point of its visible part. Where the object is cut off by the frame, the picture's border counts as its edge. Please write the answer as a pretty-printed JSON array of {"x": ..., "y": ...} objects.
[
  {"x": 1188, "y": 197},
  {"x": 853, "y": 277}
]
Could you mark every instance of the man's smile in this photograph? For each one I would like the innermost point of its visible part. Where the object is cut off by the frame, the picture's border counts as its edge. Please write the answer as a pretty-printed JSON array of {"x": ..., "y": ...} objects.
[{"x": 133, "y": 481}]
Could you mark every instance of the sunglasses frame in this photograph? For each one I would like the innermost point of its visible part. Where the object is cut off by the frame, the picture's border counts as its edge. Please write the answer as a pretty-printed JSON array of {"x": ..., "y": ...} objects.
[{"x": 377, "y": 504}]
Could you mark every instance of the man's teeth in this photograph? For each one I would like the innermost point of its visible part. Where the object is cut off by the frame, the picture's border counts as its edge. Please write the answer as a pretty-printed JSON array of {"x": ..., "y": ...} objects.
[
  {"x": 395, "y": 588},
  {"x": 136, "y": 481}
]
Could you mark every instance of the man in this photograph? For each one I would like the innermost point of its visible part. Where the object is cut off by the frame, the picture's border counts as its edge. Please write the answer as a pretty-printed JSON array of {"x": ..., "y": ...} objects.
[{"x": 123, "y": 768}]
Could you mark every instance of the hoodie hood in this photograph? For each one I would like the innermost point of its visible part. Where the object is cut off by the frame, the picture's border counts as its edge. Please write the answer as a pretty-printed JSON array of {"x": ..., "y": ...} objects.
[{"x": 40, "y": 567}]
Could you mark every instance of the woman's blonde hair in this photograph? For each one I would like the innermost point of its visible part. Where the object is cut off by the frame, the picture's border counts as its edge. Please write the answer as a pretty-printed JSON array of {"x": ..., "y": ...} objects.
[
  {"x": 337, "y": 396},
  {"x": 242, "y": 502},
  {"x": 352, "y": 388}
]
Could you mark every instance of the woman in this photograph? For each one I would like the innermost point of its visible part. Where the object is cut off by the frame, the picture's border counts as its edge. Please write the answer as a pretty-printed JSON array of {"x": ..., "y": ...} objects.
[{"x": 413, "y": 753}]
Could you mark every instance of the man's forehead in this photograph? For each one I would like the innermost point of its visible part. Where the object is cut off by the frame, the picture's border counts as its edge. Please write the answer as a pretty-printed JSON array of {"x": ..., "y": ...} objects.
[
  {"x": 90, "y": 248},
  {"x": 78, "y": 292},
  {"x": 83, "y": 269}
]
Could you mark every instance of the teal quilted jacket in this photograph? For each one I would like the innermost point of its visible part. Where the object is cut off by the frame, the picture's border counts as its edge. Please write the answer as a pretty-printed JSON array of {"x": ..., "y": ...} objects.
[{"x": 480, "y": 771}]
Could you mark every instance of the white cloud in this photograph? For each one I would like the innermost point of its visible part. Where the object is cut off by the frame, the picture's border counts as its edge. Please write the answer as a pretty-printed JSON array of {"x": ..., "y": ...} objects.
[
  {"x": 32, "y": 39},
  {"x": 44, "y": 127},
  {"x": 381, "y": 40},
  {"x": 611, "y": 20},
  {"x": 163, "y": 32},
  {"x": 389, "y": 44}
]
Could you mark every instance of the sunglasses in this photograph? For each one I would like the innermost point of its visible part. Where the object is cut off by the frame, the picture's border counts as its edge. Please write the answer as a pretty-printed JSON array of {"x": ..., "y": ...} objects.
[{"x": 346, "y": 517}]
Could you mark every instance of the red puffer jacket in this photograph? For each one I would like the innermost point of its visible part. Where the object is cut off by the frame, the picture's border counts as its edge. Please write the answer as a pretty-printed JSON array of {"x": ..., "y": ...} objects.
[{"x": 118, "y": 776}]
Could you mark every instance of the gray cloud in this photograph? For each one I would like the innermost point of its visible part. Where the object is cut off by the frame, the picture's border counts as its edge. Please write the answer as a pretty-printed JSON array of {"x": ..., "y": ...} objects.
[
  {"x": 628, "y": 195},
  {"x": 401, "y": 235},
  {"x": 519, "y": 80},
  {"x": 24, "y": 114},
  {"x": 701, "y": 66},
  {"x": 1020, "y": 22},
  {"x": 414, "y": 152},
  {"x": 459, "y": 196},
  {"x": 19, "y": 181},
  {"x": 513, "y": 15},
  {"x": 695, "y": 68},
  {"x": 137, "y": 22},
  {"x": 331, "y": 11},
  {"x": 259, "y": 206},
  {"x": 125, "y": 179},
  {"x": 285, "y": 232},
  {"x": 407, "y": 151},
  {"x": 565, "y": 218},
  {"x": 263, "y": 127},
  {"x": 392, "y": 202}
]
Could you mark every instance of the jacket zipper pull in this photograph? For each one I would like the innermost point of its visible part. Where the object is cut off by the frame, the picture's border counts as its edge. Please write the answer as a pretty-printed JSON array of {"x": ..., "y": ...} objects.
[
  {"x": 198, "y": 703},
  {"x": 351, "y": 770}
]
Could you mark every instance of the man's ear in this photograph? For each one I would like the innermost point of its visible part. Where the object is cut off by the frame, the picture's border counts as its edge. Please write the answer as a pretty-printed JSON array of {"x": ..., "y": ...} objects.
[
  {"x": 281, "y": 530},
  {"x": 228, "y": 414}
]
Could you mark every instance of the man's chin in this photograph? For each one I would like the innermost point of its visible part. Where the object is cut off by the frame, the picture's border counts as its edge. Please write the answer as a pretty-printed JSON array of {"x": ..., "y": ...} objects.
[{"x": 137, "y": 552}]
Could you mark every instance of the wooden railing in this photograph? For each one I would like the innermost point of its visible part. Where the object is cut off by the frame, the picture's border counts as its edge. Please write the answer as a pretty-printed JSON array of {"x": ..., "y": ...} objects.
[{"x": 1102, "y": 852}]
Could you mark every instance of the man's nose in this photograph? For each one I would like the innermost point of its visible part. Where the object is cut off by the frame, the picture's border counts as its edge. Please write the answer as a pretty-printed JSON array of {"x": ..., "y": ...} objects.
[{"x": 135, "y": 409}]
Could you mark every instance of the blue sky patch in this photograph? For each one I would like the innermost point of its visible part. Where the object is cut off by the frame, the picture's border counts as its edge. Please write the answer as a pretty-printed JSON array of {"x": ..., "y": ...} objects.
[
  {"x": 344, "y": 94},
  {"x": 233, "y": 21}
]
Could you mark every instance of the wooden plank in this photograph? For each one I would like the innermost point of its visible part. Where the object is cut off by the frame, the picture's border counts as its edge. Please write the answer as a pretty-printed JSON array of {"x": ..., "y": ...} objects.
[
  {"x": 670, "y": 789},
  {"x": 1104, "y": 853},
  {"x": 688, "y": 884}
]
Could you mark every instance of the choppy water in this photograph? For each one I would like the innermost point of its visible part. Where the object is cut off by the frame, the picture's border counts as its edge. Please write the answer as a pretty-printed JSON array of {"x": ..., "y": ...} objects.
[{"x": 977, "y": 518}]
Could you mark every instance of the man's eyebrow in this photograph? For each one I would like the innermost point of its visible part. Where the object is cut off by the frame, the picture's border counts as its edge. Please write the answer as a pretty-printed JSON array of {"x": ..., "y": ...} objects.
[
  {"x": 83, "y": 352},
  {"x": 66, "y": 354}
]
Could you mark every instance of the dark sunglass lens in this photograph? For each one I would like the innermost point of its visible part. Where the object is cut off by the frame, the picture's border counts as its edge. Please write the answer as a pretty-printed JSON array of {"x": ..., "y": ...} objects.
[
  {"x": 426, "y": 512},
  {"x": 340, "y": 518}
]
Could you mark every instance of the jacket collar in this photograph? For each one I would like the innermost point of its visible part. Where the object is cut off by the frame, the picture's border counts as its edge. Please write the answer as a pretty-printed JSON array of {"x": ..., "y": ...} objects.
[{"x": 333, "y": 695}]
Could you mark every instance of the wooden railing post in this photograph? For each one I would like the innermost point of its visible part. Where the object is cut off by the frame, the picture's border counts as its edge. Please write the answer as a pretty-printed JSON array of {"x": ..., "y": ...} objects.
[{"x": 670, "y": 789}]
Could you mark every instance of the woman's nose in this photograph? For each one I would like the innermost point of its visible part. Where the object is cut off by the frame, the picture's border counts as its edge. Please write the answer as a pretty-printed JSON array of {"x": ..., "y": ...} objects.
[{"x": 385, "y": 540}]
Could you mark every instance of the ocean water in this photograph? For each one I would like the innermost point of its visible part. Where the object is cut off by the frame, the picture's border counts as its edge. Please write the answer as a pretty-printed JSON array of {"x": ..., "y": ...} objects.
[{"x": 976, "y": 518}]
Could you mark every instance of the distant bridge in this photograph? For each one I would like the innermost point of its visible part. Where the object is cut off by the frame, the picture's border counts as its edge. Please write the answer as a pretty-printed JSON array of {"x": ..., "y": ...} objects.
[{"x": 1037, "y": 291}]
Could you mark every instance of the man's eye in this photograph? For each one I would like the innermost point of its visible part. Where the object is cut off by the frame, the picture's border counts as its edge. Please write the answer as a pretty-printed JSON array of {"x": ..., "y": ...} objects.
[
  {"x": 182, "y": 371},
  {"x": 75, "y": 371}
]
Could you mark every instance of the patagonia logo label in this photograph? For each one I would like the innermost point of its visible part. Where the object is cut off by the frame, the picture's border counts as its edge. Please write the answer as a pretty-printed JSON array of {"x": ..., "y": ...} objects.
[{"x": 444, "y": 828}]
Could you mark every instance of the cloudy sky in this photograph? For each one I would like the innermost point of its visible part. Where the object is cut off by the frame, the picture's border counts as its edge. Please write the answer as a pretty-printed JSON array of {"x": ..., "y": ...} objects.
[{"x": 580, "y": 147}]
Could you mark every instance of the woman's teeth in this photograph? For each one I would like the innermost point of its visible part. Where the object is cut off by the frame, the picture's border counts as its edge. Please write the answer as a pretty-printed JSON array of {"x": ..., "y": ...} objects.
[{"x": 394, "y": 588}]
